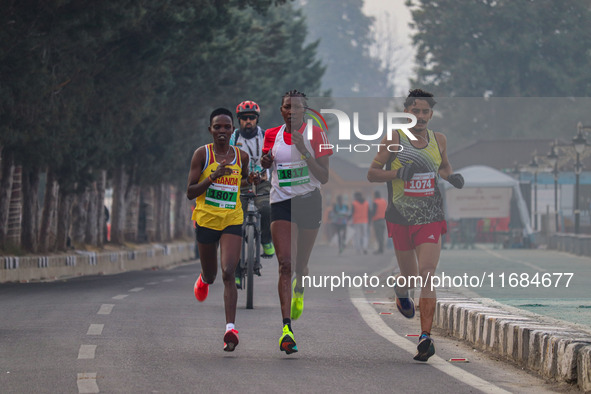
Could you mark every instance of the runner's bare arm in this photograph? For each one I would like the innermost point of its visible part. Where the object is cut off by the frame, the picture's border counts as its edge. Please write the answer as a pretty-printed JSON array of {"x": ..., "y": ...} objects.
[
  {"x": 319, "y": 167},
  {"x": 445, "y": 169},
  {"x": 194, "y": 188},
  {"x": 376, "y": 172},
  {"x": 245, "y": 171}
]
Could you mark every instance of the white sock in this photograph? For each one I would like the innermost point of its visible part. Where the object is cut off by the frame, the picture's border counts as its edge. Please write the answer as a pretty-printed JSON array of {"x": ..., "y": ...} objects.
[{"x": 229, "y": 326}]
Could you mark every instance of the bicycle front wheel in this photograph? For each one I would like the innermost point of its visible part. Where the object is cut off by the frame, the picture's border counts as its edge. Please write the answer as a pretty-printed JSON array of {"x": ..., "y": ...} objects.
[{"x": 250, "y": 261}]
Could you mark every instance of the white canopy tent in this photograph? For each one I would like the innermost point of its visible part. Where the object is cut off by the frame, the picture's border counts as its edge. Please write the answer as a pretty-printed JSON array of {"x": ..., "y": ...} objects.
[{"x": 486, "y": 194}]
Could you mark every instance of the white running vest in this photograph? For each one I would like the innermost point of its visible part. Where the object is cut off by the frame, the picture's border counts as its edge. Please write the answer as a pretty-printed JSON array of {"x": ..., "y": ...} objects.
[{"x": 291, "y": 175}]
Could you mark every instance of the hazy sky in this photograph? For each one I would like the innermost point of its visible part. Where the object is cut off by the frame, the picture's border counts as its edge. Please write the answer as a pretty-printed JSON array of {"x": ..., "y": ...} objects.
[{"x": 399, "y": 16}]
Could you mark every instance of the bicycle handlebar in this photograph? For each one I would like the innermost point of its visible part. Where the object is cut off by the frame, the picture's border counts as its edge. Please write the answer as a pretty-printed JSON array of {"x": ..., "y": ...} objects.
[{"x": 253, "y": 195}]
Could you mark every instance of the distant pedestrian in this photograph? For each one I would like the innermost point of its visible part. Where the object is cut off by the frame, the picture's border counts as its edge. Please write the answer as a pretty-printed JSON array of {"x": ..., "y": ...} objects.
[
  {"x": 378, "y": 220},
  {"x": 360, "y": 220},
  {"x": 339, "y": 216}
]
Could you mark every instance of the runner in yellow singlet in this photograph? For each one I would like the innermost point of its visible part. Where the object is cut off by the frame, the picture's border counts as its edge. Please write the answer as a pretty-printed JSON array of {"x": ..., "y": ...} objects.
[
  {"x": 217, "y": 172},
  {"x": 415, "y": 217}
]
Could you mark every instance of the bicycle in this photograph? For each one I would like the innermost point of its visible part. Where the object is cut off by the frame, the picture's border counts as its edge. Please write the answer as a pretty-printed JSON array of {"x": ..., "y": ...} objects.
[{"x": 250, "y": 257}]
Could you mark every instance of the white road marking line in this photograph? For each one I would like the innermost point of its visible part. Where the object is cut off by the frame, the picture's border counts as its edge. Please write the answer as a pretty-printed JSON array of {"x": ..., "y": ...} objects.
[
  {"x": 105, "y": 309},
  {"x": 183, "y": 276},
  {"x": 152, "y": 283},
  {"x": 136, "y": 289},
  {"x": 499, "y": 256},
  {"x": 120, "y": 296},
  {"x": 375, "y": 322},
  {"x": 86, "y": 352},
  {"x": 87, "y": 383},
  {"x": 168, "y": 280},
  {"x": 95, "y": 329}
]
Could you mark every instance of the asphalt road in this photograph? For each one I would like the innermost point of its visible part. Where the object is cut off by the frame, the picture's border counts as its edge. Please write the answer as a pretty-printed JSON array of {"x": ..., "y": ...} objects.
[{"x": 144, "y": 332}]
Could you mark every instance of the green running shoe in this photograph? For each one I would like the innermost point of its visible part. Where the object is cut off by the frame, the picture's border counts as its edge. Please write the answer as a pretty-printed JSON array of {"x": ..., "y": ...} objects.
[
  {"x": 287, "y": 342},
  {"x": 268, "y": 251},
  {"x": 297, "y": 301}
]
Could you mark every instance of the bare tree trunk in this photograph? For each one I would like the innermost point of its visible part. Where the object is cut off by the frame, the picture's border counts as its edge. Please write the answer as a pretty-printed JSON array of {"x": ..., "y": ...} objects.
[
  {"x": 30, "y": 226},
  {"x": 64, "y": 220},
  {"x": 92, "y": 222},
  {"x": 166, "y": 211},
  {"x": 162, "y": 211},
  {"x": 132, "y": 213},
  {"x": 157, "y": 214},
  {"x": 147, "y": 214},
  {"x": 6, "y": 181},
  {"x": 102, "y": 219},
  {"x": 182, "y": 214},
  {"x": 15, "y": 210},
  {"x": 48, "y": 229},
  {"x": 80, "y": 217},
  {"x": 118, "y": 209}
]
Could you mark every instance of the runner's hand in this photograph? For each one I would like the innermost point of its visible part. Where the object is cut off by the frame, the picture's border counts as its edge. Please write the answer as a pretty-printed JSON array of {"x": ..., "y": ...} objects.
[
  {"x": 267, "y": 160},
  {"x": 221, "y": 170},
  {"x": 457, "y": 180},
  {"x": 406, "y": 173},
  {"x": 254, "y": 178},
  {"x": 298, "y": 140}
]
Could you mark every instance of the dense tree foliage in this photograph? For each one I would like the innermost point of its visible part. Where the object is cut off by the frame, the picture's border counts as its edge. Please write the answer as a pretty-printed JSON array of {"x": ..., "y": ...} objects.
[
  {"x": 504, "y": 48},
  {"x": 493, "y": 50},
  {"x": 127, "y": 85}
]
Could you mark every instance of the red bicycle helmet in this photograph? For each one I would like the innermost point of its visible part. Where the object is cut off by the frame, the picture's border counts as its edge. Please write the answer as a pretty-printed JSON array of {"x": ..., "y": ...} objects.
[{"x": 248, "y": 107}]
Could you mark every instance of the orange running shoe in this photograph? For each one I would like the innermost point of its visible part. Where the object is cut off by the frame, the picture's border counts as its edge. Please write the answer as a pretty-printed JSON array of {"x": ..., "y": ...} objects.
[
  {"x": 230, "y": 340},
  {"x": 201, "y": 289}
]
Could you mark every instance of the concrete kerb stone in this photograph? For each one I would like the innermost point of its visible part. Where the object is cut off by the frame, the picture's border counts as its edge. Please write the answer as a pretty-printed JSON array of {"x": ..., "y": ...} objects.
[
  {"x": 488, "y": 338},
  {"x": 475, "y": 323},
  {"x": 554, "y": 352},
  {"x": 491, "y": 335},
  {"x": 79, "y": 263},
  {"x": 584, "y": 368},
  {"x": 504, "y": 330},
  {"x": 568, "y": 351}
]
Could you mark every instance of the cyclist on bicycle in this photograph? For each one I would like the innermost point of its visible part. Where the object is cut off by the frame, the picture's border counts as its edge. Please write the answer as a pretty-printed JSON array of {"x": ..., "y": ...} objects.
[{"x": 250, "y": 138}]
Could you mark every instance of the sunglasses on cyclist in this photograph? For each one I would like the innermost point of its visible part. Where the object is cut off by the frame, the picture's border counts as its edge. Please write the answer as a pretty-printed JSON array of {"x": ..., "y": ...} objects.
[{"x": 248, "y": 117}]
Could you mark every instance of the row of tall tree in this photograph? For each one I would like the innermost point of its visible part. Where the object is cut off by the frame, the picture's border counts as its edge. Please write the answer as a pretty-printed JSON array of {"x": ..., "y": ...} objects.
[
  {"x": 358, "y": 62},
  {"x": 99, "y": 94},
  {"x": 496, "y": 49}
]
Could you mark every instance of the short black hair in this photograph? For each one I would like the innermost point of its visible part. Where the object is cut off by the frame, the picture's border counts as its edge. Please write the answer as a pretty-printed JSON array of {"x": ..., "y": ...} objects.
[
  {"x": 295, "y": 93},
  {"x": 220, "y": 111},
  {"x": 420, "y": 94}
]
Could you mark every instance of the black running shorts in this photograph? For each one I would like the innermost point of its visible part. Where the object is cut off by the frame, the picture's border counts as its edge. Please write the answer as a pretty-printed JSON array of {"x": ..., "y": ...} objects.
[
  {"x": 208, "y": 236},
  {"x": 306, "y": 209}
]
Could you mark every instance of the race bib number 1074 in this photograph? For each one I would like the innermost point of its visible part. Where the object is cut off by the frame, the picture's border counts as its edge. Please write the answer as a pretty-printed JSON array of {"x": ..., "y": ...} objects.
[{"x": 421, "y": 185}]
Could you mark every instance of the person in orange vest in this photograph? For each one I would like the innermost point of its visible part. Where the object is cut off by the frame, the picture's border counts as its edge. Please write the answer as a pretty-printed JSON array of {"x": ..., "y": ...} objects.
[
  {"x": 360, "y": 219},
  {"x": 378, "y": 220}
]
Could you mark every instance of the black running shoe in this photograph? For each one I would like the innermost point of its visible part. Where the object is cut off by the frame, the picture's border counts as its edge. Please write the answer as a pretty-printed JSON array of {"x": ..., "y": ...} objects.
[
  {"x": 425, "y": 349},
  {"x": 257, "y": 269}
]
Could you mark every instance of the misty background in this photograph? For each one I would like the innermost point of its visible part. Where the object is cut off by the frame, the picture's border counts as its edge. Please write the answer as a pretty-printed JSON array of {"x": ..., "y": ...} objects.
[{"x": 108, "y": 100}]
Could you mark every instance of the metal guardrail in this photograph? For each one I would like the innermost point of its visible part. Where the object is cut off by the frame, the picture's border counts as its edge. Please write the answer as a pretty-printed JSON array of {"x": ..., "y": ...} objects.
[{"x": 571, "y": 243}]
